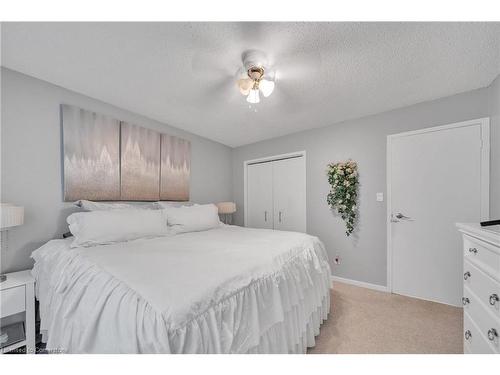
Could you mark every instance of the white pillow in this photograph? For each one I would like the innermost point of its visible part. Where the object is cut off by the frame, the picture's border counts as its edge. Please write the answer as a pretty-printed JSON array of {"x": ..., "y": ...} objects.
[
  {"x": 101, "y": 206},
  {"x": 193, "y": 218},
  {"x": 169, "y": 204},
  {"x": 106, "y": 227}
]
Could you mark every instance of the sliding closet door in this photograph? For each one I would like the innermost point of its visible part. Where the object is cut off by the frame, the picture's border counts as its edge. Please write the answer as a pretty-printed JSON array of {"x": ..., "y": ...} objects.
[
  {"x": 260, "y": 195},
  {"x": 289, "y": 191}
]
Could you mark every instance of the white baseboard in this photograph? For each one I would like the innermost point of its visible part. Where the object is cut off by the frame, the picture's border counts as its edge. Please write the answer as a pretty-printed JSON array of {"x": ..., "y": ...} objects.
[{"x": 362, "y": 284}]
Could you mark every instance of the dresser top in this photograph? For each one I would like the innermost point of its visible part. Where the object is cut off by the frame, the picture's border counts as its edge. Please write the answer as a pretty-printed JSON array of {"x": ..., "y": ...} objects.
[{"x": 490, "y": 234}]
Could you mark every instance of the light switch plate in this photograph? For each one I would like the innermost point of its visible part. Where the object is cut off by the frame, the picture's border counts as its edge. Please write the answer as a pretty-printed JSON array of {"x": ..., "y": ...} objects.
[{"x": 380, "y": 197}]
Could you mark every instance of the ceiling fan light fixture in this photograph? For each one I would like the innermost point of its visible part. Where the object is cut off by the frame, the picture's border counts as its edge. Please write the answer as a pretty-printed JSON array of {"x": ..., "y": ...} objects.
[
  {"x": 245, "y": 85},
  {"x": 255, "y": 77},
  {"x": 266, "y": 87},
  {"x": 253, "y": 97}
]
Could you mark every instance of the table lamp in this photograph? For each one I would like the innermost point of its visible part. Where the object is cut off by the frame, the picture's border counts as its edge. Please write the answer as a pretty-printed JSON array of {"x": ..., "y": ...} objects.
[
  {"x": 10, "y": 216},
  {"x": 226, "y": 210}
]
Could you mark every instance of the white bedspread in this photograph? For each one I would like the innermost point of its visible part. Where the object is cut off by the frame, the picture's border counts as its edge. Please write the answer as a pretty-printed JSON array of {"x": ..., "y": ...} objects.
[{"x": 225, "y": 290}]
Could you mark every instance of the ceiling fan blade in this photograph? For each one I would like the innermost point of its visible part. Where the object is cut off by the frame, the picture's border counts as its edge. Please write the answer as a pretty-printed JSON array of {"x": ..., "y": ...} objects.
[
  {"x": 209, "y": 63},
  {"x": 299, "y": 66},
  {"x": 289, "y": 95},
  {"x": 217, "y": 91}
]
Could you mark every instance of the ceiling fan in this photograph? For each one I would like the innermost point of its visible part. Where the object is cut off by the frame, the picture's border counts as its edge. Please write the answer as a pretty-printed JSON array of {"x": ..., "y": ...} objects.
[
  {"x": 255, "y": 76},
  {"x": 256, "y": 73}
]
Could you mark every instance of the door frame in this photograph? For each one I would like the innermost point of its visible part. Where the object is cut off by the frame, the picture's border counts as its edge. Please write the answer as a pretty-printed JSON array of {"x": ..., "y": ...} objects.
[
  {"x": 484, "y": 122},
  {"x": 267, "y": 159}
]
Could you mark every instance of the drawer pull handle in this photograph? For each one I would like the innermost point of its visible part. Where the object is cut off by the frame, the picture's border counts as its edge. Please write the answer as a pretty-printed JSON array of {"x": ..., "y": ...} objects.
[
  {"x": 466, "y": 275},
  {"x": 465, "y": 301},
  {"x": 492, "y": 334},
  {"x": 493, "y": 299},
  {"x": 473, "y": 250},
  {"x": 468, "y": 335}
]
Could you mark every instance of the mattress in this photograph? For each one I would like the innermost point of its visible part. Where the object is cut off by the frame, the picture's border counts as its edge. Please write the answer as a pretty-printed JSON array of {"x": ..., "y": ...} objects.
[{"x": 225, "y": 290}]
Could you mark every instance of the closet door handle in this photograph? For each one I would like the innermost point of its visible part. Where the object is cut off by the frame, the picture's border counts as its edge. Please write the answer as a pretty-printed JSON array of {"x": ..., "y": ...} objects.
[
  {"x": 265, "y": 216},
  {"x": 279, "y": 217}
]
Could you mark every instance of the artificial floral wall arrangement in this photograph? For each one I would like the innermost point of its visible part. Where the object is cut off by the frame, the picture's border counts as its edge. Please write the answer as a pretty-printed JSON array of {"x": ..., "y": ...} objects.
[{"x": 343, "y": 178}]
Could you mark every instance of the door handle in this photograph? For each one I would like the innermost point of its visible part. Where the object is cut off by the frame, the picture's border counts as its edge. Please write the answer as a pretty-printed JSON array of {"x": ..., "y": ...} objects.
[
  {"x": 399, "y": 215},
  {"x": 265, "y": 216},
  {"x": 279, "y": 217}
]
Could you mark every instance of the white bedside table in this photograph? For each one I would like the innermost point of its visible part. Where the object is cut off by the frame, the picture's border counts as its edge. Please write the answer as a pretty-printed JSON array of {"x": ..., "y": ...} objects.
[{"x": 17, "y": 294}]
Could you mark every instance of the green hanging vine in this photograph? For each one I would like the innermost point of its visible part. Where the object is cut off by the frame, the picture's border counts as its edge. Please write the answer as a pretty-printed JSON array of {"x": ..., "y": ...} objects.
[{"x": 343, "y": 178}]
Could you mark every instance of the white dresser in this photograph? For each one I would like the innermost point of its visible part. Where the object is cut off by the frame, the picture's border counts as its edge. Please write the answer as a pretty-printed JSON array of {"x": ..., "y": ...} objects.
[{"x": 481, "y": 288}]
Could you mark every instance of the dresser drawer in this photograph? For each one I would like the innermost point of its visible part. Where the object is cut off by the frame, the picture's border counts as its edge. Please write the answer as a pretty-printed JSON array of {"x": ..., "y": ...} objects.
[
  {"x": 483, "y": 286},
  {"x": 474, "y": 341},
  {"x": 483, "y": 253},
  {"x": 486, "y": 323},
  {"x": 12, "y": 301}
]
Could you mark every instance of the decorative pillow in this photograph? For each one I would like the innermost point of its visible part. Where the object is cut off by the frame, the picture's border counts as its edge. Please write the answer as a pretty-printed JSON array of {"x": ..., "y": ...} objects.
[
  {"x": 106, "y": 227},
  {"x": 193, "y": 218},
  {"x": 103, "y": 206}
]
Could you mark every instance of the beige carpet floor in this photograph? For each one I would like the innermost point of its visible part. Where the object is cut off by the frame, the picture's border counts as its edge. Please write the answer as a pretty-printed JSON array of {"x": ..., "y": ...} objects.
[{"x": 367, "y": 321}]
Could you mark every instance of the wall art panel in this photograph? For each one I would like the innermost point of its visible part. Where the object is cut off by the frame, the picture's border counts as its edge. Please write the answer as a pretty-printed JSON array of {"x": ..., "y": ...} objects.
[
  {"x": 91, "y": 144},
  {"x": 175, "y": 168},
  {"x": 140, "y": 163}
]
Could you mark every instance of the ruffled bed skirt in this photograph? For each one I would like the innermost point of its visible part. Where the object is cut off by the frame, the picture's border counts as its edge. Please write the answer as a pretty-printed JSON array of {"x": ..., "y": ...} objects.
[{"x": 86, "y": 310}]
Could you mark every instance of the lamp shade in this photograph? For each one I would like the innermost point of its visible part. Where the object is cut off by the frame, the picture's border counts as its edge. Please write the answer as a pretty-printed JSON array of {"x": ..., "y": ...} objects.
[
  {"x": 11, "y": 215},
  {"x": 253, "y": 97},
  {"x": 266, "y": 87},
  {"x": 226, "y": 207}
]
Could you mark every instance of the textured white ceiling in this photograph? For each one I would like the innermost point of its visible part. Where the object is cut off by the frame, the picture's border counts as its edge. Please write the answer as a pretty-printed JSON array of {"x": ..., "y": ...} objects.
[{"x": 182, "y": 73}]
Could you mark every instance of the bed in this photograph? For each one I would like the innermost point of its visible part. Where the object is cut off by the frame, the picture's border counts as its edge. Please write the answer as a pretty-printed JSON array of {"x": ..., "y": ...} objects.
[{"x": 224, "y": 290}]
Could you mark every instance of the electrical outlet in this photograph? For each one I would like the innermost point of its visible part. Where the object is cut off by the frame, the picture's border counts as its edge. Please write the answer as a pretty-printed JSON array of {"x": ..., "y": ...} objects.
[{"x": 337, "y": 260}]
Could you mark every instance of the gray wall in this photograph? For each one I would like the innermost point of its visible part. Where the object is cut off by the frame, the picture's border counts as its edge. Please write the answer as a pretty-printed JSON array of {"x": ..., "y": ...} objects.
[
  {"x": 31, "y": 160},
  {"x": 494, "y": 112},
  {"x": 363, "y": 255},
  {"x": 31, "y": 166}
]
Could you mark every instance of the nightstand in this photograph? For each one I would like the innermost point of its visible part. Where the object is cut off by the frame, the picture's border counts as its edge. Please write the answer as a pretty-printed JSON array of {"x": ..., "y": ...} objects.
[{"x": 17, "y": 294}]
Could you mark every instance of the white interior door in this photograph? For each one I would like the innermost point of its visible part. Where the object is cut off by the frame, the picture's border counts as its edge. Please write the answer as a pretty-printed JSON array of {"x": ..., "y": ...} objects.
[
  {"x": 289, "y": 192},
  {"x": 260, "y": 195},
  {"x": 436, "y": 179}
]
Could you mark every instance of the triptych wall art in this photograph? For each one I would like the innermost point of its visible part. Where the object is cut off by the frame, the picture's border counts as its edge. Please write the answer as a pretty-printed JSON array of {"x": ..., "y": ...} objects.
[{"x": 108, "y": 159}]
